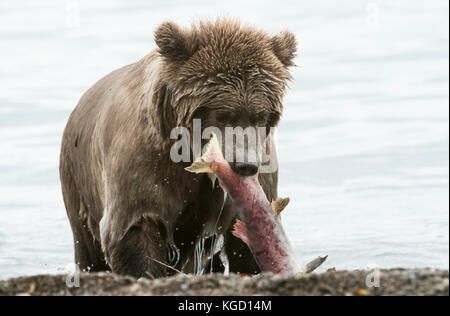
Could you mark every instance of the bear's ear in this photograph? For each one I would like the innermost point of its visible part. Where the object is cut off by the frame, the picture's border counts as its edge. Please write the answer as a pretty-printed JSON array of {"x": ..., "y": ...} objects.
[
  {"x": 175, "y": 43},
  {"x": 284, "y": 45}
]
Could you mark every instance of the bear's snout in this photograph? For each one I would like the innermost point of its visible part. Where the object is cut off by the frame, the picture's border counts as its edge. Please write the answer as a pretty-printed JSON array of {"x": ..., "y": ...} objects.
[{"x": 245, "y": 169}]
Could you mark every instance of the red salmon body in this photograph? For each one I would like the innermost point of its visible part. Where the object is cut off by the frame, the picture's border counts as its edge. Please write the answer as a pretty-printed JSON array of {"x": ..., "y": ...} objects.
[{"x": 259, "y": 224}]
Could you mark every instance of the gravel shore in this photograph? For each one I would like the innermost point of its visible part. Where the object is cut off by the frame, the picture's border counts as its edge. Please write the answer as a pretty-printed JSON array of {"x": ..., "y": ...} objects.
[{"x": 391, "y": 282}]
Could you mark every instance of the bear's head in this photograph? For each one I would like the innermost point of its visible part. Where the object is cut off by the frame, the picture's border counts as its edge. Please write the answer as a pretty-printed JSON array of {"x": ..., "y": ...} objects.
[{"x": 226, "y": 75}]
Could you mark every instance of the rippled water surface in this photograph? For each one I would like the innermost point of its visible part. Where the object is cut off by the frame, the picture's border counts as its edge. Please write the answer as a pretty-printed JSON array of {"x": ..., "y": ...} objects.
[{"x": 364, "y": 145}]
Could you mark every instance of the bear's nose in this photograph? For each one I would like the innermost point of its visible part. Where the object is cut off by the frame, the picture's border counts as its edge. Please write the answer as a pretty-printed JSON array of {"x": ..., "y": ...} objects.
[{"x": 245, "y": 169}]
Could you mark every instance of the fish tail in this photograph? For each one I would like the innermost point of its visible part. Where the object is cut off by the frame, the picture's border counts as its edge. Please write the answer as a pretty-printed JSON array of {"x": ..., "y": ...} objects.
[{"x": 313, "y": 265}]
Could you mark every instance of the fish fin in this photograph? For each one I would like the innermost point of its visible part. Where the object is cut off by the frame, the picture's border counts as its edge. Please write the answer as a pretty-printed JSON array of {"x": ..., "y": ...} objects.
[
  {"x": 279, "y": 205},
  {"x": 240, "y": 231},
  {"x": 313, "y": 265},
  {"x": 201, "y": 164}
]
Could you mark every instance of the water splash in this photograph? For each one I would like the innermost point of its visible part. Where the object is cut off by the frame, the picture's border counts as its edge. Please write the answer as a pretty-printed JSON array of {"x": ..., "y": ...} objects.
[
  {"x": 199, "y": 254},
  {"x": 174, "y": 255},
  {"x": 204, "y": 258},
  {"x": 226, "y": 263},
  {"x": 201, "y": 258}
]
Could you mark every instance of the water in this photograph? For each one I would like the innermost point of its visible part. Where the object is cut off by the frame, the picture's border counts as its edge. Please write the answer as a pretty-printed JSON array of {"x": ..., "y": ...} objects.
[{"x": 364, "y": 145}]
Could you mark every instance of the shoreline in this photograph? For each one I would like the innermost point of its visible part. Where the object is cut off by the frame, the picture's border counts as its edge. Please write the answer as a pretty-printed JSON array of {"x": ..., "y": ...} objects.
[{"x": 396, "y": 282}]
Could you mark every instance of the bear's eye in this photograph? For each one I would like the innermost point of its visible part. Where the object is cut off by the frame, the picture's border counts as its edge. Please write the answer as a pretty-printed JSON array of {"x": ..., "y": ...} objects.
[
  {"x": 225, "y": 118},
  {"x": 201, "y": 113},
  {"x": 258, "y": 119}
]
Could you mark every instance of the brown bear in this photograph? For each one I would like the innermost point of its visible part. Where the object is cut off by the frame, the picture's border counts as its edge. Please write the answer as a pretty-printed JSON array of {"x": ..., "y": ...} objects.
[{"x": 131, "y": 208}]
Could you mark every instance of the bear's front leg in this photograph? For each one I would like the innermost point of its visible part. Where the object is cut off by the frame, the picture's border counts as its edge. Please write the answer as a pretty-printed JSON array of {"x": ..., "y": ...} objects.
[{"x": 137, "y": 250}]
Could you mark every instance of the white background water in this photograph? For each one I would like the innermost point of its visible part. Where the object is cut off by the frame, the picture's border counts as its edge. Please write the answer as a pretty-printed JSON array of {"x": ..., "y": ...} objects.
[{"x": 364, "y": 145}]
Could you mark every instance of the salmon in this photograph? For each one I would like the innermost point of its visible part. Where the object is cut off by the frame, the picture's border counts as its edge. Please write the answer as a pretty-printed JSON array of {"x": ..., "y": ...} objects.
[{"x": 259, "y": 222}]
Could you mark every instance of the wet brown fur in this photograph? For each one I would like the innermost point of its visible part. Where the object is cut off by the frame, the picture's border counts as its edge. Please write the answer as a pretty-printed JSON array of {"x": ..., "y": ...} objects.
[{"x": 115, "y": 161}]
